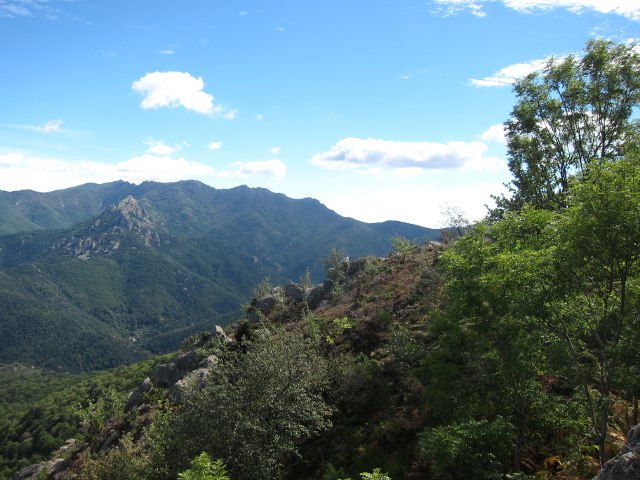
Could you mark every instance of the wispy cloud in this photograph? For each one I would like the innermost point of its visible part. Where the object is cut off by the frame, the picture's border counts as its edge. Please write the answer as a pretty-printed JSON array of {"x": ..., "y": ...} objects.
[
  {"x": 270, "y": 168},
  {"x": 453, "y": 7},
  {"x": 167, "y": 51},
  {"x": 176, "y": 89},
  {"x": 48, "y": 128},
  {"x": 626, "y": 8},
  {"x": 405, "y": 158},
  {"x": 508, "y": 75},
  {"x": 215, "y": 146},
  {"x": 27, "y": 8}
]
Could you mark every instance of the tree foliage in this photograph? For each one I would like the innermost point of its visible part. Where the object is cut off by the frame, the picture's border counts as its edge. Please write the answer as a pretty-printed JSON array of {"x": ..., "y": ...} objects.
[
  {"x": 540, "y": 292},
  {"x": 203, "y": 468},
  {"x": 575, "y": 111},
  {"x": 256, "y": 409}
]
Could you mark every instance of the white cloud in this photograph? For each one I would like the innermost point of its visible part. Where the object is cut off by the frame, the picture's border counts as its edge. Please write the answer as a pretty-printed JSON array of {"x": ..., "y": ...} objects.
[
  {"x": 275, "y": 151},
  {"x": 626, "y": 8},
  {"x": 230, "y": 114},
  {"x": 174, "y": 89},
  {"x": 271, "y": 168},
  {"x": 243, "y": 13},
  {"x": 259, "y": 117},
  {"x": 160, "y": 148},
  {"x": 508, "y": 75},
  {"x": 54, "y": 126},
  {"x": 495, "y": 133},
  {"x": 11, "y": 159},
  {"x": 159, "y": 168},
  {"x": 168, "y": 51},
  {"x": 363, "y": 154},
  {"x": 215, "y": 145},
  {"x": 25, "y": 171}
]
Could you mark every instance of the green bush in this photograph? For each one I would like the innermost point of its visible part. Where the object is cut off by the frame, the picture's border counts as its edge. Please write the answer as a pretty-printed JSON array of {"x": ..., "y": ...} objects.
[
  {"x": 203, "y": 468},
  {"x": 469, "y": 449}
]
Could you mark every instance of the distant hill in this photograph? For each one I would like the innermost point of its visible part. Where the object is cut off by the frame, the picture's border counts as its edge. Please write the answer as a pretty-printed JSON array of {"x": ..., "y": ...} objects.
[{"x": 99, "y": 275}]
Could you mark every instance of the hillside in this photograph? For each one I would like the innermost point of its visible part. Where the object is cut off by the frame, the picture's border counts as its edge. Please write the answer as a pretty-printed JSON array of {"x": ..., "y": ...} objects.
[
  {"x": 146, "y": 265},
  {"x": 327, "y": 381},
  {"x": 380, "y": 299}
]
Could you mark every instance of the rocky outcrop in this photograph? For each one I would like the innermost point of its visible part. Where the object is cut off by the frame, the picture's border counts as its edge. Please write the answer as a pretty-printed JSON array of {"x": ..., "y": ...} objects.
[
  {"x": 61, "y": 459},
  {"x": 289, "y": 301},
  {"x": 136, "y": 396},
  {"x": 167, "y": 374},
  {"x": 319, "y": 293},
  {"x": 625, "y": 466},
  {"x": 186, "y": 369},
  {"x": 127, "y": 220}
]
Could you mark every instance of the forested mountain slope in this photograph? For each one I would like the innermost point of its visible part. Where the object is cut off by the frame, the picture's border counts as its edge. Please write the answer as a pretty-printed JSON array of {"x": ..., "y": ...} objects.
[{"x": 138, "y": 275}]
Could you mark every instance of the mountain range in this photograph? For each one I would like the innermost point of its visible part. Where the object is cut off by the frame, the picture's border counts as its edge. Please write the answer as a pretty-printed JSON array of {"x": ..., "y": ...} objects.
[{"x": 95, "y": 276}]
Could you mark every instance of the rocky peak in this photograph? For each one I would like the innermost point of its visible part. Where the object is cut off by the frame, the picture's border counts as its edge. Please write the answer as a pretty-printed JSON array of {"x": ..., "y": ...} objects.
[
  {"x": 126, "y": 220},
  {"x": 129, "y": 216},
  {"x": 131, "y": 210}
]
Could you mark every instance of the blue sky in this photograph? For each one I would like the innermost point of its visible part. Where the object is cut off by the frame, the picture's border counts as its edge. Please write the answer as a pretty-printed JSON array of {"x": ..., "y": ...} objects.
[{"x": 379, "y": 109}]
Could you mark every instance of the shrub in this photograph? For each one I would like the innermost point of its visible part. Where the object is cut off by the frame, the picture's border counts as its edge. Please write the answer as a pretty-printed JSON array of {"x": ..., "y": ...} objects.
[{"x": 469, "y": 449}]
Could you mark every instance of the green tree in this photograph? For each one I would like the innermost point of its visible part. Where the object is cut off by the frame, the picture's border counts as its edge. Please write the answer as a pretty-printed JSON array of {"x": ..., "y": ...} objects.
[
  {"x": 127, "y": 461},
  {"x": 576, "y": 110},
  {"x": 256, "y": 409},
  {"x": 469, "y": 449},
  {"x": 597, "y": 304},
  {"x": 401, "y": 246},
  {"x": 333, "y": 265},
  {"x": 203, "y": 468},
  {"x": 488, "y": 336}
]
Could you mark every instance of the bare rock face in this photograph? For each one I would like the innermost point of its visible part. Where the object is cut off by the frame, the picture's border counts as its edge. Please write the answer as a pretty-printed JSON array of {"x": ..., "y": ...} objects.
[
  {"x": 127, "y": 220},
  {"x": 626, "y": 466}
]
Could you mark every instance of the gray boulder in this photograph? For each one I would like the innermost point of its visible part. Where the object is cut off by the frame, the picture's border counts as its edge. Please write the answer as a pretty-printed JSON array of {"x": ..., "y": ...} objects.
[
  {"x": 136, "y": 395},
  {"x": 196, "y": 379},
  {"x": 626, "y": 466},
  {"x": 315, "y": 295},
  {"x": 221, "y": 335},
  {"x": 293, "y": 293},
  {"x": 168, "y": 374},
  {"x": 267, "y": 304}
]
